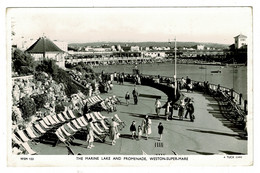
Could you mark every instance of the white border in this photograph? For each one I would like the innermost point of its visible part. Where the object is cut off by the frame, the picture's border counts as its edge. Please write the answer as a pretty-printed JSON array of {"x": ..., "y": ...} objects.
[{"x": 117, "y": 3}]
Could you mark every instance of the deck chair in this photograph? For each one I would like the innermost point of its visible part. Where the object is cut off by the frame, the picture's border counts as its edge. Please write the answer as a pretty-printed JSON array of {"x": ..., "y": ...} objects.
[
  {"x": 76, "y": 124},
  {"x": 80, "y": 122},
  {"x": 98, "y": 96},
  {"x": 60, "y": 135},
  {"x": 71, "y": 127},
  {"x": 103, "y": 124},
  {"x": 100, "y": 115},
  {"x": 103, "y": 105},
  {"x": 96, "y": 115},
  {"x": 16, "y": 139},
  {"x": 88, "y": 116},
  {"x": 64, "y": 131},
  {"x": 121, "y": 123},
  {"x": 84, "y": 121},
  {"x": 39, "y": 128},
  {"x": 92, "y": 116},
  {"x": 60, "y": 116},
  {"x": 23, "y": 136},
  {"x": 44, "y": 125},
  {"x": 28, "y": 149},
  {"x": 91, "y": 101},
  {"x": 64, "y": 113},
  {"x": 98, "y": 128},
  {"x": 95, "y": 129},
  {"x": 68, "y": 129},
  {"x": 32, "y": 133},
  {"x": 56, "y": 119},
  {"x": 46, "y": 121},
  {"x": 71, "y": 114},
  {"x": 95, "y": 98},
  {"x": 51, "y": 120}
]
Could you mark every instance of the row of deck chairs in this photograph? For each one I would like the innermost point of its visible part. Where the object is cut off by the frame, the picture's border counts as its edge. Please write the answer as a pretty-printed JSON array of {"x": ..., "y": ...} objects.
[
  {"x": 39, "y": 128},
  {"x": 93, "y": 100},
  {"x": 109, "y": 104},
  {"x": 99, "y": 123}
]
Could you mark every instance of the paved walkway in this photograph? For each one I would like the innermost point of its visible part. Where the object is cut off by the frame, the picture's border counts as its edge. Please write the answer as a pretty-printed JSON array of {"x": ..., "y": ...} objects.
[{"x": 209, "y": 134}]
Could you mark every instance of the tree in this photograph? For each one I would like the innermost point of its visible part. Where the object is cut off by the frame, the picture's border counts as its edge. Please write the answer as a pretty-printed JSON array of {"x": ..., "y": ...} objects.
[
  {"x": 23, "y": 63},
  {"x": 27, "y": 107}
]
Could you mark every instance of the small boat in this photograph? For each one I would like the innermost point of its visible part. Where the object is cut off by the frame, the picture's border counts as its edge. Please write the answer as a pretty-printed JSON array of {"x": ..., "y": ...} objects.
[
  {"x": 216, "y": 71},
  {"x": 202, "y": 67}
]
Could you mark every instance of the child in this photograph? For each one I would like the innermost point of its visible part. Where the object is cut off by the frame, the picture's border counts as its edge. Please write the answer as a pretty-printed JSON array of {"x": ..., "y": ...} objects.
[
  {"x": 160, "y": 130},
  {"x": 139, "y": 132},
  {"x": 127, "y": 98},
  {"x": 133, "y": 129}
]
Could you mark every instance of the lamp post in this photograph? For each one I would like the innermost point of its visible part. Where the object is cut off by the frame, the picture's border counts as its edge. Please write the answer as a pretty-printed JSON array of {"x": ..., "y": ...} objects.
[
  {"x": 175, "y": 67},
  {"x": 175, "y": 71}
]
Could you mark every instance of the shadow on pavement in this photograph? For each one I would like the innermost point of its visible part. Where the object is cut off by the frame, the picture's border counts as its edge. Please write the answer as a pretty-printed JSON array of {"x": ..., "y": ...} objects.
[
  {"x": 231, "y": 153},
  {"x": 217, "y": 133},
  {"x": 200, "y": 152}
]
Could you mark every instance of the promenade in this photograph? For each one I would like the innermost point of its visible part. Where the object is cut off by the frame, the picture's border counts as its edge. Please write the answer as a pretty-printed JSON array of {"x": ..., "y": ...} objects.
[{"x": 209, "y": 134}]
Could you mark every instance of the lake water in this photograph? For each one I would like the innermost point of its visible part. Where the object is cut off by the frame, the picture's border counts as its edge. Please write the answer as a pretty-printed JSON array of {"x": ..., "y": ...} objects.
[{"x": 230, "y": 77}]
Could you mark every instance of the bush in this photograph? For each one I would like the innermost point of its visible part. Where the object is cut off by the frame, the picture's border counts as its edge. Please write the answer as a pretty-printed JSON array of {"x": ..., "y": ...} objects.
[
  {"x": 59, "y": 108},
  {"x": 23, "y": 63},
  {"x": 40, "y": 100},
  {"x": 27, "y": 107}
]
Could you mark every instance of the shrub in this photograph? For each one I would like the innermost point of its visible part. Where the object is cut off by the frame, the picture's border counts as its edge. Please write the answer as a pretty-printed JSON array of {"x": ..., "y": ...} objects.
[
  {"x": 40, "y": 100},
  {"x": 27, "y": 107},
  {"x": 23, "y": 63},
  {"x": 59, "y": 108}
]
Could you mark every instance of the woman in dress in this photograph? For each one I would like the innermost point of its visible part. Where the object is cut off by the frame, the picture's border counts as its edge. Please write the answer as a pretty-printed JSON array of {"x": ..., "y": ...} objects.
[
  {"x": 113, "y": 131},
  {"x": 139, "y": 132},
  {"x": 90, "y": 135},
  {"x": 158, "y": 106},
  {"x": 146, "y": 124},
  {"x": 181, "y": 109}
]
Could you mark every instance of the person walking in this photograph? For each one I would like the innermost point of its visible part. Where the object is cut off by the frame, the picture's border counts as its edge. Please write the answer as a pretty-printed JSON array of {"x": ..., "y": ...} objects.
[
  {"x": 146, "y": 126},
  {"x": 133, "y": 130},
  {"x": 158, "y": 106},
  {"x": 139, "y": 132},
  {"x": 190, "y": 110},
  {"x": 113, "y": 131},
  {"x": 181, "y": 109},
  {"x": 160, "y": 130},
  {"x": 127, "y": 98},
  {"x": 135, "y": 96},
  {"x": 167, "y": 110},
  {"x": 90, "y": 135}
]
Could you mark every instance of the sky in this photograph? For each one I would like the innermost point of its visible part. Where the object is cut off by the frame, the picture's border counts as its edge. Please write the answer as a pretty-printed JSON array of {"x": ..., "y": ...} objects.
[{"x": 79, "y": 25}]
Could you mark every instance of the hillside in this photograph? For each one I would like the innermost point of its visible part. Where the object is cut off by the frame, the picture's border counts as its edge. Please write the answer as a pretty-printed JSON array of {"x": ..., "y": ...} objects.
[{"x": 147, "y": 44}]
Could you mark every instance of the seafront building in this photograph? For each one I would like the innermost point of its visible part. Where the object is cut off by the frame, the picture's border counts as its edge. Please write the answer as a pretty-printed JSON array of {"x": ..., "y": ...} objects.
[
  {"x": 240, "y": 41},
  {"x": 44, "y": 48}
]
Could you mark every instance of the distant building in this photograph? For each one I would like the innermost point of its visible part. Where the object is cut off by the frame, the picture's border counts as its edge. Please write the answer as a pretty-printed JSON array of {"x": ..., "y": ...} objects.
[
  {"x": 200, "y": 47},
  {"x": 135, "y": 49},
  {"x": 44, "y": 48},
  {"x": 240, "y": 41}
]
